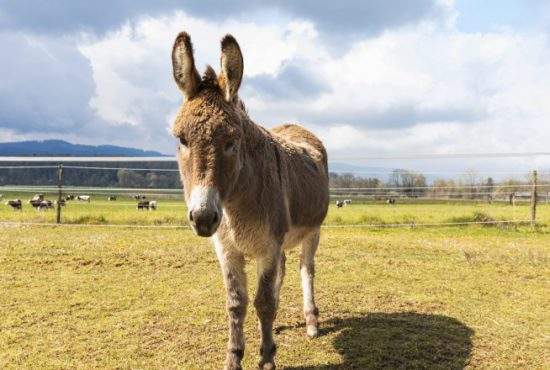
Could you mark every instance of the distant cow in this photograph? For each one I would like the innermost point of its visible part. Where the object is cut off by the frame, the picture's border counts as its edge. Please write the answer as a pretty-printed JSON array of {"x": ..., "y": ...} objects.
[
  {"x": 390, "y": 201},
  {"x": 15, "y": 204},
  {"x": 69, "y": 197},
  {"x": 139, "y": 196},
  {"x": 143, "y": 205},
  {"x": 347, "y": 202},
  {"x": 339, "y": 203},
  {"x": 149, "y": 205},
  {"x": 37, "y": 197},
  {"x": 83, "y": 198},
  {"x": 36, "y": 200},
  {"x": 111, "y": 198},
  {"x": 43, "y": 205}
]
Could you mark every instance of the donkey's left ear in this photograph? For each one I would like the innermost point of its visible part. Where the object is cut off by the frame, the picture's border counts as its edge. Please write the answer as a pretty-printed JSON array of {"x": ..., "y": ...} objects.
[{"x": 232, "y": 68}]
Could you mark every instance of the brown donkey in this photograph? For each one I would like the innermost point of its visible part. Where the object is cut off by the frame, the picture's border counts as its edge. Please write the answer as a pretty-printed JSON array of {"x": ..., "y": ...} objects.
[{"x": 255, "y": 192}]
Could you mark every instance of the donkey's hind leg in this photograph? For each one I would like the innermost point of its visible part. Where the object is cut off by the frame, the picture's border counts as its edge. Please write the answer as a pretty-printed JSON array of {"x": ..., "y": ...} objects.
[{"x": 307, "y": 272}]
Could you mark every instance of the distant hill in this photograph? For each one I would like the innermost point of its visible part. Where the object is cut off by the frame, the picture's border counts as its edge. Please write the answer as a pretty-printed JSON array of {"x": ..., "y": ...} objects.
[{"x": 60, "y": 148}]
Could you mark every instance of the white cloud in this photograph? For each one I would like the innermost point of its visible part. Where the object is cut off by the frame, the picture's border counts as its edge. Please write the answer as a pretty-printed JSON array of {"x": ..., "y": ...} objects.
[{"x": 417, "y": 88}]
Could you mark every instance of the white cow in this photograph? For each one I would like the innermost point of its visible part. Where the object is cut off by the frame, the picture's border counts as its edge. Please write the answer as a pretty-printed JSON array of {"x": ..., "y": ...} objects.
[{"x": 83, "y": 198}]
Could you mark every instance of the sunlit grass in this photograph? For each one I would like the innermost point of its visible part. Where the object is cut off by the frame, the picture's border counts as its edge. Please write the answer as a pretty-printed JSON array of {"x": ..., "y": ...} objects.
[
  {"x": 145, "y": 298},
  {"x": 173, "y": 212}
]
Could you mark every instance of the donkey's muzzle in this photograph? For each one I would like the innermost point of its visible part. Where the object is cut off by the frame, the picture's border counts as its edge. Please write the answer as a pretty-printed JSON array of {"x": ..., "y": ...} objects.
[{"x": 204, "y": 222}]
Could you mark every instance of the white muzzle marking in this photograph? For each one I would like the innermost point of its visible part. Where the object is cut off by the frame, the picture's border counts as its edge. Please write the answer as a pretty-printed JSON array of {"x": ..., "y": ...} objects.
[{"x": 205, "y": 211}]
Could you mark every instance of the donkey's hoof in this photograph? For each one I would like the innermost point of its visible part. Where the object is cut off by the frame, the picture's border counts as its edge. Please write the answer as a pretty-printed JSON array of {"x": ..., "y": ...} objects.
[
  {"x": 266, "y": 365},
  {"x": 232, "y": 366},
  {"x": 233, "y": 360},
  {"x": 312, "y": 331}
]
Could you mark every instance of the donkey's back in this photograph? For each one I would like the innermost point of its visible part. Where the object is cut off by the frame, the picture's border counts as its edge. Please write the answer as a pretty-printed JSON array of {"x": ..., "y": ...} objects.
[{"x": 304, "y": 169}]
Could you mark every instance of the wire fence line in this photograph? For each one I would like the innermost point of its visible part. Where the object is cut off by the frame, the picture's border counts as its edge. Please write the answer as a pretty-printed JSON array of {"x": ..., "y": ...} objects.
[
  {"x": 450, "y": 193},
  {"x": 368, "y": 156},
  {"x": 325, "y": 226},
  {"x": 122, "y": 168},
  {"x": 60, "y": 161}
]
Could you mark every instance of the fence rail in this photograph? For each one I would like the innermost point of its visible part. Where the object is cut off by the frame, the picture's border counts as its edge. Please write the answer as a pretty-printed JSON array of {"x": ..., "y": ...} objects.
[{"x": 451, "y": 193}]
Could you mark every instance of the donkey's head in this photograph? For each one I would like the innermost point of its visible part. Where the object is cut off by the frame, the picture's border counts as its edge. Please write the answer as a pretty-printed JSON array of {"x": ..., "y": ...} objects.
[{"x": 208, "y": 127}]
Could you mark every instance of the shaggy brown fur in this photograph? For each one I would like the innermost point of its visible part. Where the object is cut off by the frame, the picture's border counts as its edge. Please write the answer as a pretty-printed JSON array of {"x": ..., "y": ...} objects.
[{"x": 267, "y": 191}]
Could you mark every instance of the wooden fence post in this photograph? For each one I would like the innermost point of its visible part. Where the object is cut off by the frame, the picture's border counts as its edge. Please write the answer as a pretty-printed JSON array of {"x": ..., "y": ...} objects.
[
  {"x": 59, "y": 193},
  {"x": 534, "y": 200}
]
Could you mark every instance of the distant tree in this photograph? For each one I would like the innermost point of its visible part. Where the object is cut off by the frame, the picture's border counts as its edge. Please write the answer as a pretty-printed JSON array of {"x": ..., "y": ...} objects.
[{"x": 408, "y": 182}]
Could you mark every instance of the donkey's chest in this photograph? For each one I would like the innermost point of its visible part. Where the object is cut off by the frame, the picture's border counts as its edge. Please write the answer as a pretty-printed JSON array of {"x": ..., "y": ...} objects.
[{"x": 251, "y": 238}]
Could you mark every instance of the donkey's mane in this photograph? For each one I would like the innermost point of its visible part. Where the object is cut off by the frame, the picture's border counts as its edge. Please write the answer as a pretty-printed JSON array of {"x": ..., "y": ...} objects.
[{"x": 209, "y": 78}]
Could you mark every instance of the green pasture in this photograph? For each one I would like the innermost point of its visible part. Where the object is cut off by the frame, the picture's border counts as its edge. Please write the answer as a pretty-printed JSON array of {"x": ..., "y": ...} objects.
[
  {"x": 172, "y": 211},
  {"x": 451, "y": 297}
]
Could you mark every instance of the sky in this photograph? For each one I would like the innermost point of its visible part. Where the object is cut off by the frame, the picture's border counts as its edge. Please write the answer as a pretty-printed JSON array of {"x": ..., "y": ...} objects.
[{"x": 379, "y": 76}]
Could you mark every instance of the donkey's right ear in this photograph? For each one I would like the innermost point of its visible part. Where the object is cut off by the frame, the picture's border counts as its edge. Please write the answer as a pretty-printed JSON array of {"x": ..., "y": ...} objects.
[{"x": 183, "y": 65}]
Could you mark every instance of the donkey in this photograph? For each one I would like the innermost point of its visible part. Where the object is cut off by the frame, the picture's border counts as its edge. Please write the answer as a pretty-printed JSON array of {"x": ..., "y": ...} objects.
[{"x": 256, "y": 192}]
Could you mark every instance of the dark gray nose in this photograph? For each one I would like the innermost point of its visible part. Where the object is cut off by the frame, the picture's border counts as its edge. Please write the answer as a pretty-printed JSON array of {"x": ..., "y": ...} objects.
[{"x": 204, "y": 222}]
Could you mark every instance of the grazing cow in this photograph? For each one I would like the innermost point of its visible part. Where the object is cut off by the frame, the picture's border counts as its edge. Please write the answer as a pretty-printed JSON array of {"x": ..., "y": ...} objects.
[
  {"x": 152, "y": 205},
  {"x": 139, "y": 196},
  {"x": 37, "y": 197},
  {"x": 70, "y": 197},
  {"x": 347, "y": 202},
  {"x": 36, "y": 200},
  {"x": 255, "y": 191},
  {"x": 83, "y": 198},
  {"x": 339, "y": 203},
  {"x": 143, "y": 205},
  {"x": 15, "y": 204},
  {"x": 390, "y": 201},
  {"x": 111, "y": 198},
  {"x": 44, "y": 205}
]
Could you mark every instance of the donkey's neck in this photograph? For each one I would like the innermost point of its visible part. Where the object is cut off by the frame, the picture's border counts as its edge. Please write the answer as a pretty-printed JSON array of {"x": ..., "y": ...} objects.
[{"x": 259, "y": 177}]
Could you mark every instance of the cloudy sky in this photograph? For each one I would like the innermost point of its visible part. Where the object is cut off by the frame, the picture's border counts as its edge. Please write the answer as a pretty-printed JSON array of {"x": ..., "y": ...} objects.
[{"x": 378, "y": 76}]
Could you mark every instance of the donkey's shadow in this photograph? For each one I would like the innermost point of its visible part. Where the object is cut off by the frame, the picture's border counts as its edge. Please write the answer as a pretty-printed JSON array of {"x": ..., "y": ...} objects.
[{"x": 397, "y": 340}]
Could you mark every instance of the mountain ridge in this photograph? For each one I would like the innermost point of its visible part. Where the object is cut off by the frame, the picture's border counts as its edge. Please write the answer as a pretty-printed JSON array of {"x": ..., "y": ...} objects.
[{"x": 62, "y": 148}]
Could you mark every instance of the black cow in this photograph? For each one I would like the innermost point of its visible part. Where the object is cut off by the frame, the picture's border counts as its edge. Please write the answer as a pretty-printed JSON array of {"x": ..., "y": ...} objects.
[{"x": 15, "y": 204}]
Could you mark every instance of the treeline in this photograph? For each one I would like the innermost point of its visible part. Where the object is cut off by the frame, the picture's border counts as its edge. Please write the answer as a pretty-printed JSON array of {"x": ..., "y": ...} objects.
[
  {"x": 406, "y": 183},
  {"x": 119, "y": 177},
  {"x": 400, "y": 182}
]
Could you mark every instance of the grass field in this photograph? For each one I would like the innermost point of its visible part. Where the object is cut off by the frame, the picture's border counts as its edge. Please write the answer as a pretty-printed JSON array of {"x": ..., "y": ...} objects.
[
  {"x": 445, "y": 297},
  {"x": 172, "y": 211}
]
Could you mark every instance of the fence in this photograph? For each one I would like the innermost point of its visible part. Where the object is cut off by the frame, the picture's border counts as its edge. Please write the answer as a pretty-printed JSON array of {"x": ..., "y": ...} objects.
[{"x": 533, "y": 192}]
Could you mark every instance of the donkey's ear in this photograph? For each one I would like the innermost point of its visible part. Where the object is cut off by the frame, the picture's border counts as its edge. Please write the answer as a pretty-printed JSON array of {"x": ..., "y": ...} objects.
[
  {"x": 183, "y": 65},
  {"x": 232, "y": 68}
]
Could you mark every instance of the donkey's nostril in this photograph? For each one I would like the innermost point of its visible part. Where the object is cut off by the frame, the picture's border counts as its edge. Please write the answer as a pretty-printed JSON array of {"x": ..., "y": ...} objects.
[
  {"x": 215, "y": 219},
  {"x": 190, "y": 216}
]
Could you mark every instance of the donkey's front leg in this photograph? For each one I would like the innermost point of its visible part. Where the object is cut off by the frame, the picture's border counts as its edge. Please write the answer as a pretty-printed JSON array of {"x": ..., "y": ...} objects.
[
  {"x": 232, "y": 265},
  {"x": 270, "y": 276}
]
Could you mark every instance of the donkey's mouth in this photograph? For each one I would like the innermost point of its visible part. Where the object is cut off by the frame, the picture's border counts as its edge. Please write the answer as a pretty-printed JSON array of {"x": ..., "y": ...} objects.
[
  {"x": 204, "y": 225},
  {"x": 205, "y": 231}
]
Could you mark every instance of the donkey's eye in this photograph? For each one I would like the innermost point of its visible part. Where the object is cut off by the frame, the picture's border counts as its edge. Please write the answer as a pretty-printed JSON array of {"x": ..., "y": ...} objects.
[
  {"x": 229, "y": 146},
  {"x": 183, "y": 141}
]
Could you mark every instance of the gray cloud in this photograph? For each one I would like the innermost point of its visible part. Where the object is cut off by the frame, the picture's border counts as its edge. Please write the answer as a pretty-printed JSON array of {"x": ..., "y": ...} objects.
[
  {"x": 400, "y": 116},
  {"x": 362, "y": 17},
  {"x": 46, "y": 84},
  {"x": 332, "y": 17},
  {"x": 46, "y": 90},
  {"x": 293, "y": 82},
  {"x": 397, "y": 117}
]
